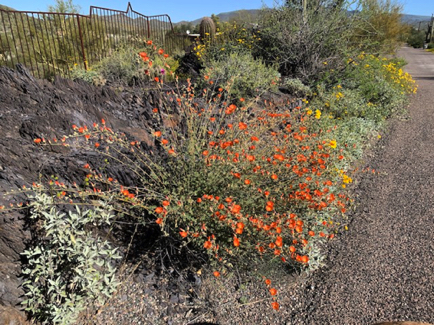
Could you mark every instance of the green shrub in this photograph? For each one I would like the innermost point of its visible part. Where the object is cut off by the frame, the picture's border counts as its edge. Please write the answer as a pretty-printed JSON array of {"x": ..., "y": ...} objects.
[
  {"x": 304, "y": 49},
  {"x": 248, "y": 77},
  {"x": 297, "y": 88},
  {"x": 122, "y": 65},
  {"x": 90, "y": 76},
  {"x": 416, "y": 38},
  {"x": 68, "y": 266}
]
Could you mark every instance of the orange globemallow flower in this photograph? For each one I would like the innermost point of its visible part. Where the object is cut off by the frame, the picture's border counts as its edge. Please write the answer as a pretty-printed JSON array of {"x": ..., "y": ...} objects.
[
  {"x": 267, "y": 282},
  {"x": 275, "y": 305},
  {"x": 157, "y": 134},
  {"x": 159, "y": 221},
  {"x": 159, "y": 210},
  {"x": 160, "y": 51},
  {"x": 274, "y": 176},
  {"x": 149, "y": 42},
  {"x": 183, "y": 234},
  {"x": 166, "y": 203},
  {"x": 216, "y": 274},
  {"x": 273, "y": 291},
  {"x": 242, "y": 126},
  {"x": 37, "y": 141},
  {"x": 164, "y": 141},
  {"x": 230, "y": 109},
  {"x": 236, "y": 242},
  {"x": 207, "y": 244},
  {"x": 236, "y": 208}
]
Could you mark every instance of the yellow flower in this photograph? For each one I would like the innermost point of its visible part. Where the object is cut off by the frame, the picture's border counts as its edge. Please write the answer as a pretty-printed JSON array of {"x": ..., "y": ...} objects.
[
  {"x": 318, "y": 114},
  {"x": 333, "y": 144},
  {"x": 309, "y": 112}
]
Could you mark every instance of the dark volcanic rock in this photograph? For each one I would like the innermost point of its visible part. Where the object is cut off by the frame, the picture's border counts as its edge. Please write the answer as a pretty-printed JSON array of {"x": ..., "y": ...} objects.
[{"x": 32, "y": 108}]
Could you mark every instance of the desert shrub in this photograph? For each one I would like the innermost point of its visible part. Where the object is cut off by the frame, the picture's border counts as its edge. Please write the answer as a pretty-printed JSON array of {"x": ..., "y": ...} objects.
[
  {"x": 430, "y": 46},
  {"x": 381, "y": 30},
  {"x": 369, "y": 87},
  {"x": 123, "y": 65},
  {"x": 248, "y": 77},
  {"x": 305, "y": 44},
  {"x": 416, "y": 38},
  {"x": 242, "y": 185},
  {"x": 89, "y": 75},
  {"x": 126, "y": 65},
  {"x": 68, "y": 266},
  {"x": 296, "y": 87}
]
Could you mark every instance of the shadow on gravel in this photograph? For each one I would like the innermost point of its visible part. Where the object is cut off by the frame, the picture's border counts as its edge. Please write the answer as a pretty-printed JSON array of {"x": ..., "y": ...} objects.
[{"x": 423, "y": 78}]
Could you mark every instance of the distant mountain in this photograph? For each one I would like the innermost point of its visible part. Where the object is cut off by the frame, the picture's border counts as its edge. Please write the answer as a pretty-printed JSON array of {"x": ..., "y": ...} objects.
[
  {"x": 6, "y": 8},
  {"x": 250, "y": 14},
  {"x": 416, "y": 21},
  {"x": 253, "y": 15}
]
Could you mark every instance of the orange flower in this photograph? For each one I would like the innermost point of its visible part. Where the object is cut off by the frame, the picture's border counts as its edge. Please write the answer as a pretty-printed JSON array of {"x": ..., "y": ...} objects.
[
  {"x": 305, "y": 259},
  {"x": 207, "y": 244},
  {"x": 230, "y": 109},
  {"x": 236, "y": 242},
  {"x": 216, "y": 274},
  {"x": 157, "y": 79},
  {"x": 275, "y": 305},
  {"x": 155, "y": 110},
  {"x": 86, "y": 166},
  {"x": 157, "y": 134},
  {"x": 171, "y": 152},
  {"x": 273, "y": 291},
  {"x": 159, "y": 221},
  {"x": 236, "y": 208},
  {"x": 164, "y": 141},
  {"x": 274, "y": 176},
  {"x": 267, "y": 282},
  {"x": 96, "y": 145},
  {"x": 160, "y": 51},
  {"x": 166, "y": 56},
  {"x": 37, "y": 141},
  {"x": 205, "y": 153},
  {"x": 247, "y": 182},
  {"x": 183, "y": 234},
  {"x": 242, "y": 126},
  {"x": 279, "y": 241},
  {"x": 149, "y": 42},
  {"x": 166, "y": 203},
  {"x": 159, "y": 210}
]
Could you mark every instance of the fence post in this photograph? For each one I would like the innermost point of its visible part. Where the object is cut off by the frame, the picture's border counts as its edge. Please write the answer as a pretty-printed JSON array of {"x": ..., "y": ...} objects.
[
  {"x": 81, "y": 42},
  {"x": 149, "y": 27}
]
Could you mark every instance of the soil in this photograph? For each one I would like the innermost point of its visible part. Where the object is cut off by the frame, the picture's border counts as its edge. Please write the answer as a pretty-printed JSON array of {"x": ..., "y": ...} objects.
[{"x": 381, "y": 269}]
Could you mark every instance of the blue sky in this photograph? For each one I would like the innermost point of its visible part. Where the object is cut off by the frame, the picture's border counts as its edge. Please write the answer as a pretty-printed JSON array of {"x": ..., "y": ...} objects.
[{"x": 189, "y": 9}]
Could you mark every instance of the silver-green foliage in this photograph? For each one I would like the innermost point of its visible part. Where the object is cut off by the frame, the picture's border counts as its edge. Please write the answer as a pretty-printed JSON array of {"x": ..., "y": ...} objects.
[
  {"x": 249, "y": 76},
  {"x": 69, "y": 266}
]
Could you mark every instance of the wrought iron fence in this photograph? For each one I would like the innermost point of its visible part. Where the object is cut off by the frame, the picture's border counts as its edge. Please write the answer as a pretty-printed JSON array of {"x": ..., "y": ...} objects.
[{"x": 50, "y": 44}]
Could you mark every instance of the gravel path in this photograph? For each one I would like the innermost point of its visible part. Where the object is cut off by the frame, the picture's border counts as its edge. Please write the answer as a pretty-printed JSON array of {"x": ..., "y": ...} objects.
[{"x": 382, "y": 269}]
